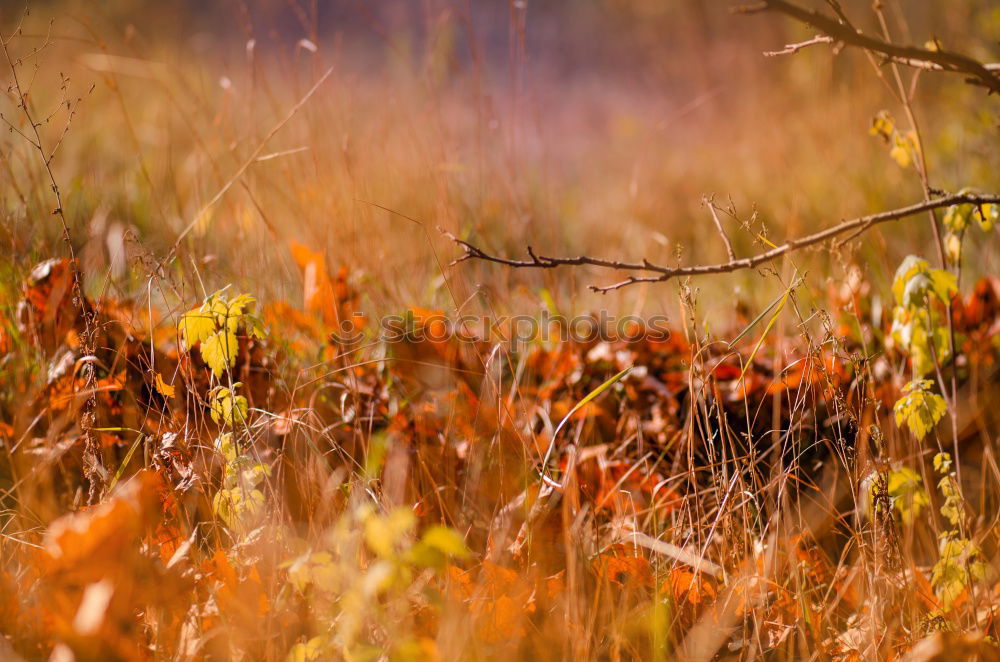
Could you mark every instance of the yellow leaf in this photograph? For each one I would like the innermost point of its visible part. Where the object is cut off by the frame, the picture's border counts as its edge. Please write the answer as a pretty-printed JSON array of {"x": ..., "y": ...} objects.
[
  {"x": 219, "y": 351},
  {"x": 987, "y": 216},
  {"x": 237, "y": 508},
  {"x": 960, "y": 565},
  {"x": 317, "y": 569},
  {"x": 900, "y": 151},
  {"x": 906, "y": 489},
  {"x": 423, "y": 649},
  {"x": 230, "y": 314},
  {"x": 306, "y": 652},
  {"x": 225, "y": 445},
  {"x": 436, "y": 545},
  {"x": 919, "y": 409},
  {"x": 953, "y": 247},
  {"x": 908, "y": 268},
  {"x": 196, "y": 325},
  {"x": 383, "y": 533},
  {"x": 228, "y": 407},
  {"x": 956, "y": 218},
  {"x": 944, "y": 284},
  {"x": 882, "y": 125},
  {"x": 942, "y": 462}
]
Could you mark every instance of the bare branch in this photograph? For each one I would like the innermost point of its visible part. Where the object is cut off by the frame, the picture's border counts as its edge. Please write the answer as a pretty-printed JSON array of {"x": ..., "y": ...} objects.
[
  {"x": 978, "y": 73},
  {"x": 853, "y": 227}
]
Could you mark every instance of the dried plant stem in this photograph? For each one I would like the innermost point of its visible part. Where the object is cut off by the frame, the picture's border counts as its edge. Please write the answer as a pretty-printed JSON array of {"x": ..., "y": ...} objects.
[{"x": 93, "y": 463}]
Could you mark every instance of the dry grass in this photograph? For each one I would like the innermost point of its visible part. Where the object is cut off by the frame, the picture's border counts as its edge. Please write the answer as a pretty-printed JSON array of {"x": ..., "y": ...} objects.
[{"x": 700, "y": 513}]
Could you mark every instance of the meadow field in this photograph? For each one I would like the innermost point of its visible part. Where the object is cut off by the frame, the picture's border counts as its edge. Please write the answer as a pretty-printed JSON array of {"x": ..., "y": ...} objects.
[{"x": 468, "y": 329}]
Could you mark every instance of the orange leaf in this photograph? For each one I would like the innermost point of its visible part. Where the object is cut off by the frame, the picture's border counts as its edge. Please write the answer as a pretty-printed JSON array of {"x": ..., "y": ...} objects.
[
  {"x": 620, "y": 567},
  {"x": 688, "y": 588},
  {"x": 165, "y": 389},
  {"x": 317, "y": 289},
  {"x": 501, "y": 621}
]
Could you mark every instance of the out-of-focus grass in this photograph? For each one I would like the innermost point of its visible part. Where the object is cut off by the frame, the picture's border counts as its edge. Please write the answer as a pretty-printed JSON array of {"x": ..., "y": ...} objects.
[{"x": 584, "y": 157}]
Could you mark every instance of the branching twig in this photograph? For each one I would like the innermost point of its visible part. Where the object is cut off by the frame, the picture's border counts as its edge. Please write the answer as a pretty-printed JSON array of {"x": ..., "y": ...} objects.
[
  {"x": 664, "y": 273},
  {"x": 789, "y": 49},
  {"x": 986, "y": 75},
  {"x": 93, "y": 463}
]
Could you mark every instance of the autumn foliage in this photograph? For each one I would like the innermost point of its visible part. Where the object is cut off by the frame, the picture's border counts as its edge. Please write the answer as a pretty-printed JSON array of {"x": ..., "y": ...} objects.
[{"x": 211, "y": 449}]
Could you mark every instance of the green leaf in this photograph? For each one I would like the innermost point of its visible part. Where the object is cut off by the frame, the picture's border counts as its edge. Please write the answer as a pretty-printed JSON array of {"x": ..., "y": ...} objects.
[
  {"x": 128, "y": 458},
  {"x": 919, "y": 409},
  {"x": 254, "y": 327},
  {"x": 767, "y": 329},
  {"x": 590, "y": 396},
  {"x": 780, "y": 299}
]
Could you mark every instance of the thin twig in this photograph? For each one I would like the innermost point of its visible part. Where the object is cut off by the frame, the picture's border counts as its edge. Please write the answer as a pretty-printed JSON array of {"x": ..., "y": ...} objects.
[
  {"x": 664, "y": 273},
  {"x": 789, "y": 49},
  {"x": 710, "y": 203}
]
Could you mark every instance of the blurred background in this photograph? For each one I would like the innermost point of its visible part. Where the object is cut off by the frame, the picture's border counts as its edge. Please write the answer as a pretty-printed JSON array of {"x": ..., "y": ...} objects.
[{"x": 591, "y": 126}]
